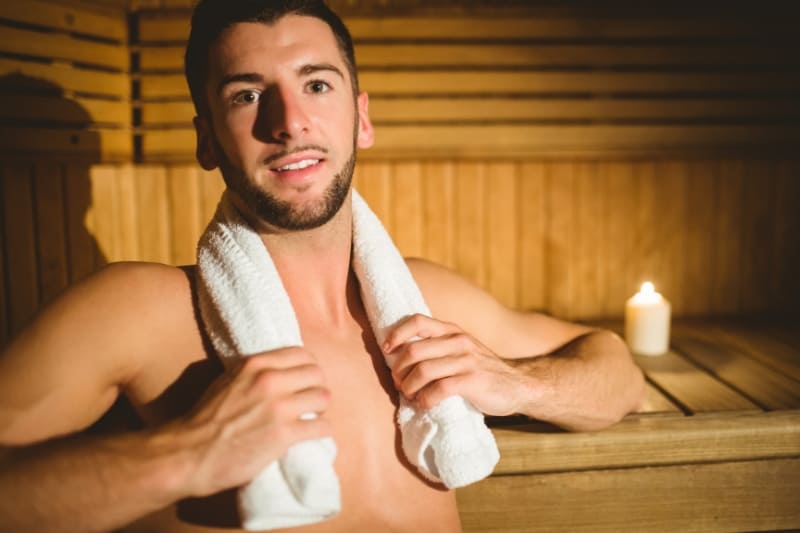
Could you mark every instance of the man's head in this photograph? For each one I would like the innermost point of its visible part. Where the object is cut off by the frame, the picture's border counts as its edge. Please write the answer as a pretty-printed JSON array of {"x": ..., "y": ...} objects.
[
  {"x": 278, "y": 108},
  {"x": 212, "y": 17}
]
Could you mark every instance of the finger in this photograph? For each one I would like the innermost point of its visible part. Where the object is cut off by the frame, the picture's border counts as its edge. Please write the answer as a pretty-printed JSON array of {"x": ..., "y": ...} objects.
[
  {"x": 277, "y": 359},
  {"x": 416, "y": 326},
  {"x": 428, "y": 372},
  {"x": 433, "y": 394},
  {"x": 270, "y": 383},
  {"x": 299, "y": 405},
  {"x": 413, "y": 353}
]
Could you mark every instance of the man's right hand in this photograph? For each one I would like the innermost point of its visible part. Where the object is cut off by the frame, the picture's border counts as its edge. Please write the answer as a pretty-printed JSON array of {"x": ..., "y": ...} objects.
[{"x": 249, "y": 417}]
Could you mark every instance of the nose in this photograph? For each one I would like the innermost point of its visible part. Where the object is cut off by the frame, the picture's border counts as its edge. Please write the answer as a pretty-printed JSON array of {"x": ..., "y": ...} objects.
[{"x": 281, "y": 116}]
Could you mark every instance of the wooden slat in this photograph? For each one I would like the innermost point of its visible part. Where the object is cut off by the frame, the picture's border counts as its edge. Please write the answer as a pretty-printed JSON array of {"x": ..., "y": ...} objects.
[
  {"x": 211, "y": 187},
  {"x": 784, "y": 289},
  {"x": 621, "y": 258},
  {"x": 769, "y": 388},
  {"x": 699, "y": 237},
  {"x": 69, "y": 78},
  {"x": 497, "y": 109},
  {"x": 76, "y": 111},
  {"x": 4, "y": 336},
  {"x": 92, "y": 145},
  {"x": 470, "y": 222},
  {"x": 51, "y": 244},
  {"x": 589, "y": 241},
  {"x": 438, "y": 182},
  {"x": 728, "y": 252},
  {"x": 561, "y": 234},
  {"x": 59, "y": 46},
  {"x": 466, "y": 82},
  {"x": 158, "y": 27},
  {"x": 127, "y": 212},
  {"x": 84, "y": 254},
  {"x": 501, "y": 232},
  {"x": 647, "y": 440},
  {"x": 375, "y": 185},
  {"x": 20, "y": 241},
  {"x": 184, "y": 212},
  {"x": 105, "y": 223},
  {"x": 72, "y": 19},
  {"x": 693, "y": 388},
  {"x": 540, "y": 28},
  {"x": 154, "y": 238},
  {"x": 743, "y": 55},
  {"x": 737, "y": 496},
  {"x": 656, "y": 402},
  {"x": 532, "y": 221},
  {"x": 407, "y": 208},
  {"x": 756, "y": 219}
]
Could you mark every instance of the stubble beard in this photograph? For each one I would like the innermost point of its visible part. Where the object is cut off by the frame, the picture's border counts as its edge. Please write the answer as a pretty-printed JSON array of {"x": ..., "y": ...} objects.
[{"x": 285, "y": 215}]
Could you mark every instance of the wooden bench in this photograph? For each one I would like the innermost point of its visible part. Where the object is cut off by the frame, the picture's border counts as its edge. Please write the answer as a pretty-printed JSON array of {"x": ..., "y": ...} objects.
[{"x": 716, "y": 447}]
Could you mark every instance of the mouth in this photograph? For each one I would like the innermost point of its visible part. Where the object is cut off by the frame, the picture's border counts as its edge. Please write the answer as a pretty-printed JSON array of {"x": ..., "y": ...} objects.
[{"x": 297, "y": 165}]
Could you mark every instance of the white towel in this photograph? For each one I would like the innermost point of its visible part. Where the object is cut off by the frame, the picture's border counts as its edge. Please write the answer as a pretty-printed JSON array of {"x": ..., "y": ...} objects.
[{"x": 246, "y": 310}]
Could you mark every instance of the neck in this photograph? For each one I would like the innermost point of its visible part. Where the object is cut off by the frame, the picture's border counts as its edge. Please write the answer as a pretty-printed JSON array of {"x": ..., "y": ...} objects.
[{"x": 314, "y": 266}]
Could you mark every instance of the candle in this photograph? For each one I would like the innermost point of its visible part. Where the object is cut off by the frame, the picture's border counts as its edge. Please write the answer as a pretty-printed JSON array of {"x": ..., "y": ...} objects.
[{"x": 647, "y": 316}]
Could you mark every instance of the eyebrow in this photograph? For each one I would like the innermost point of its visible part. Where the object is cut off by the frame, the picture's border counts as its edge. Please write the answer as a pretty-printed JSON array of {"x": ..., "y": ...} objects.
[{"x": 254, "y": 77}]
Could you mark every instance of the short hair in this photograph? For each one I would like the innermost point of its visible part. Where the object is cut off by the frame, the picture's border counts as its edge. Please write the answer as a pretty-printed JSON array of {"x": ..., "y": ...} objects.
[{"x": 212, "y": 17}]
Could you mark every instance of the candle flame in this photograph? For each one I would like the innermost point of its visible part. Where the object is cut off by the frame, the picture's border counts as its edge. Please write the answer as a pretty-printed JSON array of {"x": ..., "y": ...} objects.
[{"x": 648, "y": 288}]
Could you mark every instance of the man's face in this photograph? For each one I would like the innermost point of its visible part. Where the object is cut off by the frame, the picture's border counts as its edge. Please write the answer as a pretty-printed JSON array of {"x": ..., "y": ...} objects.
[{"x": 284, "y": 123}]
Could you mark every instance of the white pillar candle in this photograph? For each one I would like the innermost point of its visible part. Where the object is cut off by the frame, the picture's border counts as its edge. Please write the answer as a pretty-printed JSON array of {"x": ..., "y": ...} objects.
[{"x": 647, "y": 317}]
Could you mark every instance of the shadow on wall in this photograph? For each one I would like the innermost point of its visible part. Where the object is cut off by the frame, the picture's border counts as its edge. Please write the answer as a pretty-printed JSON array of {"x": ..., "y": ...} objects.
[{"x": 46, "y": 156}]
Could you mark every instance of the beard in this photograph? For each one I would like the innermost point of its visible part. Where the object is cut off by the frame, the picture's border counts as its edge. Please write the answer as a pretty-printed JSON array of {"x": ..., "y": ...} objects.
[{"x": 282, "y": 214}]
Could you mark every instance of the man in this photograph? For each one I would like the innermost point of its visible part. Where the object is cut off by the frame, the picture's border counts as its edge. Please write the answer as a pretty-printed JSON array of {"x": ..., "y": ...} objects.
[{"x": 280, "y": 114}]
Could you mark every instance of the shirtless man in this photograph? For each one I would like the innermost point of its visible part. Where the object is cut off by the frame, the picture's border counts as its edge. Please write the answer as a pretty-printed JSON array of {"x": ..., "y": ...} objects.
[{"x": 272, "y": 94}]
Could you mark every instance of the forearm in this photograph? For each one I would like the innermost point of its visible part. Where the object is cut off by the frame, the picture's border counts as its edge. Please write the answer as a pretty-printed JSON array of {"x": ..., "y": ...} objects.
[
  {"x": 83, "y": 483},
  {"x": 588, "y": 384}
]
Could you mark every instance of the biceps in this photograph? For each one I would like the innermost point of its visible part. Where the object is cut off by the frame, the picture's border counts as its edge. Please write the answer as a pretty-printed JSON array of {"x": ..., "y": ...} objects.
[{"x": 518, "y": 334}]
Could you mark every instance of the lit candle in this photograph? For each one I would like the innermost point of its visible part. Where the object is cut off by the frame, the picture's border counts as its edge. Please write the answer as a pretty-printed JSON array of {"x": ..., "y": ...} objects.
[{"x": 647, "y": 316}]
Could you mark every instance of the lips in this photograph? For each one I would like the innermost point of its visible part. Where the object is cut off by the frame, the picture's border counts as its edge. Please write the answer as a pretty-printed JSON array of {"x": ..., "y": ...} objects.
[{"x": 298, "y": 165}]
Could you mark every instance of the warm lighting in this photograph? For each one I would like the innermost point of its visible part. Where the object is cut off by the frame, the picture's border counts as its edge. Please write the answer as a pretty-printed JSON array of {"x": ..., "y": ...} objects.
[{"x": 647, "y": 321}]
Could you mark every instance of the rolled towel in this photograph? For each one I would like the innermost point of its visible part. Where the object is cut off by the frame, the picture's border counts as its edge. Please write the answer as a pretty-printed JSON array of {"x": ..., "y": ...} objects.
[{"x": 245, "y": 311}]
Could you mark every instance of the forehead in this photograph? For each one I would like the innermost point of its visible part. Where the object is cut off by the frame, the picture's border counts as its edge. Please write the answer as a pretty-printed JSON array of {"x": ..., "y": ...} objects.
[{"x": 290, "y": 42}]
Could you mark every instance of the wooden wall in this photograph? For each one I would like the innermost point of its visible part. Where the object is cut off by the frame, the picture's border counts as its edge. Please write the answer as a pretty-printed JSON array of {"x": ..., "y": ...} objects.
[{"x": 558, "y": 157}]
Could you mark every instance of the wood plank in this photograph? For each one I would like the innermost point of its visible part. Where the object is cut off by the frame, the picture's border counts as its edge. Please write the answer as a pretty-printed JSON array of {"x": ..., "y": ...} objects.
[
  {"x": 648, "y": 440},
  {"x": 621, "y": 258},
  {"x": 60, "y": 46},
  {"x": 656, "y": 402},
  {"x": 67, "y": 18},
  {"x": 728, "y": 252},
  {"x": 521, "y": 27},
  {"x": 438, "y": 182},
  {"x": 698, "y": 257},
  {"x": 470, "y": 221},
  {"x": 375, "y": 185},
  {"x": 767, "y": 387},
  {"x": 493, "y": 141},
  {"x": 590, "y": 220},
  {"x": 19, "y": 225},
  {"x": 670, "y": 207},
  {"x": 164, "y": 27},
  {"x": 92, "y": 145},
  {"x": 785, "y": 289},
  {"x": 51, "y": 247},
  {"x": 539, "y": 54},
  {"x": 184, "y": 210},
  {"x": 211, "y": 187},
  {"x": 4, "y": 336},
  {"x": 756, "y": 222},
  {"x": 127, "y": 212},
  {"x": 758, "y": 495},
  {"x": 76, "y": 111},
  {"x": 560, "y": 240},
  {"x": 501, "y": 233},
  {"x": 82, "y": 250},
  {"x": 105, "y": 224},
  {"x": 532, "y": 222},
  {"x": 424, "y": 110},
  {"x": 407, "y": 208},
  {"x": 499, "y": 82},
  {"x": 154, "y": 238},
  {"x": 67, "y": 78}
]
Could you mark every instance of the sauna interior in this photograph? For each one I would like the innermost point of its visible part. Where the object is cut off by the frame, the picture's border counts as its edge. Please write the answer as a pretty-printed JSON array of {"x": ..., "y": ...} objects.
[{"x": 557, "y": 154}]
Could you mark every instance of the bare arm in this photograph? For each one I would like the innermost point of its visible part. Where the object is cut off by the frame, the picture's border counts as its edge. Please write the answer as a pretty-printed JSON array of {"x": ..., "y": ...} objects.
[
  {"x": 551, "y": 370},
  {"x": 68, "y": 367}
]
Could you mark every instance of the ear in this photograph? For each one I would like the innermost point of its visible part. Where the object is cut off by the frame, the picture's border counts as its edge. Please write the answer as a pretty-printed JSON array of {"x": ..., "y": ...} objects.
[
  {"x": 206, "y": 151},
  {"x": 366, "y": 134}
]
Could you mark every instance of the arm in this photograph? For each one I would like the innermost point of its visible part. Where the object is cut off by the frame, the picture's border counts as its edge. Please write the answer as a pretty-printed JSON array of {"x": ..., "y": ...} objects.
[
  {"x": 570, "y": 375},
  {"x": 60, "y": 375}
]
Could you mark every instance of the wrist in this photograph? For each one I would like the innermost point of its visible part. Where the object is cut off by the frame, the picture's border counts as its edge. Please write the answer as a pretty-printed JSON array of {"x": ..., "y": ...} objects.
[{"x": 536, "y": 387}]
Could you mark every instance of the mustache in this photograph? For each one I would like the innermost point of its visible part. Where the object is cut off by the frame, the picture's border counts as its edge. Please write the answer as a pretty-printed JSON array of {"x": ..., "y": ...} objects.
[{"x": 283, "y": 153}]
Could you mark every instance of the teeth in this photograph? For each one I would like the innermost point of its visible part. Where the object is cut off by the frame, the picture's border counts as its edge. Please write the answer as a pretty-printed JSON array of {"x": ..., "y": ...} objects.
[{"x": 299, "y": 165}]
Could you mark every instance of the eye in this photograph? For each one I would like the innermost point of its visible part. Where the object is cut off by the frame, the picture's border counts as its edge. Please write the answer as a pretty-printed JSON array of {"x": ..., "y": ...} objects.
[
  {"x": 318, "y": 86},
  {"x": 249, "y": 96}
]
